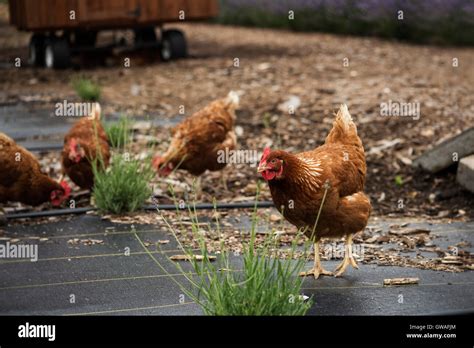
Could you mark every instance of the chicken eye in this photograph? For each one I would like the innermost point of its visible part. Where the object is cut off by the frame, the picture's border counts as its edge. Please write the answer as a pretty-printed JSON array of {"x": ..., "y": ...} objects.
[{"x": 273, "y": 161}]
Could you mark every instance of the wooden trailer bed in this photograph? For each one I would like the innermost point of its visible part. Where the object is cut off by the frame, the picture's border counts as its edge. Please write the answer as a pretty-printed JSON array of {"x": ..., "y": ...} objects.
[
  {"x": 62, "y": 28},
  {"x": 47, "y": 15}
]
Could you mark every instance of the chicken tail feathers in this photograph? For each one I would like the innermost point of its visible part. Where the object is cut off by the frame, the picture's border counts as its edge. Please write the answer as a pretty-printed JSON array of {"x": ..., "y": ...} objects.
[
  {"x": 96, "y": 111},
  {"x": 233, "y": 99},
  {"x": 344, "y": 129},
  {"x": 344, "y": 118}
]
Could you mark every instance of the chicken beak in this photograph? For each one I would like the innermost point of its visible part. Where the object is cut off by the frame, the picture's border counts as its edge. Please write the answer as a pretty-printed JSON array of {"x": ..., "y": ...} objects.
[{"x": 262, "y": 168}]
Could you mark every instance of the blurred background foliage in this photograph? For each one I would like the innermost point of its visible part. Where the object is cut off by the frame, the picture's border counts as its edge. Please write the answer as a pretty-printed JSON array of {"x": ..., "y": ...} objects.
[{"x": 446, "y": 22}]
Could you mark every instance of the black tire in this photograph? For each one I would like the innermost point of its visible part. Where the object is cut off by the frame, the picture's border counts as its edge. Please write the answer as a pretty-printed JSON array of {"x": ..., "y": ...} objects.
[
  {"x": 36, "y": 50},
  {"x": 173, "y": 45},
  {"x": 57, "y": 54}
]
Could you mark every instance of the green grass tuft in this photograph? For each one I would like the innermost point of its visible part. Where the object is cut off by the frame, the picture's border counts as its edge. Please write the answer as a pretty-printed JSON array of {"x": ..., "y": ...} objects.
[
  {"x": 123, "y": 187},
  {"x": 399, "y": 180},
  {"x": 266, "y": 285},
  {"x": 119, "y": 133},
  {"x": 87, "y": 90},
  {"x": 262, "y": 285}
]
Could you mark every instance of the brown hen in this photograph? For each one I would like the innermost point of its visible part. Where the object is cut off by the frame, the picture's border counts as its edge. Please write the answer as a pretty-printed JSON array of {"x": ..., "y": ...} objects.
[
  {"x": 198, "y": 141},
  {"x": 84, "y": 143},
  {"x": 21, "y": 178},
  {"x": 327, "y": 181}
]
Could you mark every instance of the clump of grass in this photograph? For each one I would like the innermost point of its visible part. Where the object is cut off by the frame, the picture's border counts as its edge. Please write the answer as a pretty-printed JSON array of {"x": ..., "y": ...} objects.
[
  {"x": 119, "y": 133},
  {"x": 267, "y": 120},
  {"x": 87, "y": 90},
  {"x": 399, "y": 180},
  {"x": 266, "y": 285},
  {"x": 123, "y": 187},
  {"x": 263, "y": 285}
]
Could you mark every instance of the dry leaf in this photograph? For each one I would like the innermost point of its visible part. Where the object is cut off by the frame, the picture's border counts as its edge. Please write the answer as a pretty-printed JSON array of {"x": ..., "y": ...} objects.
[
  {"x": 92, "y": 241},
  {"x": 188, "y": 257},
  {"x": 372, "y": 239},
  {"x": 400, "y": 281},
  {"x": 275, "y": 218},
  {"x": 76, "y": 241},
  {"x": 407, "y": 231},
  {"x": 383, "y": 239},
  {"x": 452, "y": 260},
  {"x": 409, "y": 243}
]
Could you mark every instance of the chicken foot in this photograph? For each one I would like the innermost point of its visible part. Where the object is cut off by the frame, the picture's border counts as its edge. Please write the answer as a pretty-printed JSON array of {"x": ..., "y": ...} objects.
[
  {"x": 348, "y": 258},
  {"x": 317, "y": 268}
]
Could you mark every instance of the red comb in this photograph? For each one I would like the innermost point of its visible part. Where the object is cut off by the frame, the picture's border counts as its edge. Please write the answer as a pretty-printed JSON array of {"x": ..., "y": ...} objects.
[
  {"x": 266, "y": 152},
  {"x": 66, "y": 187}
]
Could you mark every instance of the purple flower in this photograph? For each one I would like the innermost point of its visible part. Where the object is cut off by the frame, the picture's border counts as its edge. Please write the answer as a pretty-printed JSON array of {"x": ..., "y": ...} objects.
[{"x": 429, "y": 10}]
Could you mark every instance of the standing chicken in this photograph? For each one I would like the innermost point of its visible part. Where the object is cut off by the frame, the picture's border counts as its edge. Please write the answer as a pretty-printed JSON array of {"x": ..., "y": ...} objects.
[
  {"x": 332, "y": 175},
  {"x": 21, "y": 178},
  {"x": 200, "y": 138},
  {"x": 86, "y": 142}
]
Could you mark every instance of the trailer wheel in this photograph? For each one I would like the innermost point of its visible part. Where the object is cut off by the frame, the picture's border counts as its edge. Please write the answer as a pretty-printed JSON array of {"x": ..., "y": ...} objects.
[
  {"x": 56, "y": 53},
  {"x": 173, "y": 45},
  {"x": 36, "y": 50}
]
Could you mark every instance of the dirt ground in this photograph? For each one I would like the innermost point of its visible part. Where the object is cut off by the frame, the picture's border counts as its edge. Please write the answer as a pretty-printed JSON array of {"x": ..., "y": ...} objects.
[{"x": 274, "y": 65}]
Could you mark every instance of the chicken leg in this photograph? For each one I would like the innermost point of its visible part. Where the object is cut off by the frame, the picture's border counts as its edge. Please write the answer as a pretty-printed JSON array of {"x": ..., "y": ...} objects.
[
  {"x": 224, "y": 178},
  {"x": 3, "y": 219},
  {"x": 197, "y": 187},
  {"x": 317, "y": 268},
  {"x": 348, "y": 258}
]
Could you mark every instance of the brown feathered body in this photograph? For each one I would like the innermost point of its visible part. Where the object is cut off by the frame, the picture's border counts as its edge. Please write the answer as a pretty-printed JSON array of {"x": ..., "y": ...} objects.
[
  {"x": 88, "y": 138},
  {"x": 338, "y": 165},
  {"x": 21, "y": 178},
  {"x": 197, "y": 141}
]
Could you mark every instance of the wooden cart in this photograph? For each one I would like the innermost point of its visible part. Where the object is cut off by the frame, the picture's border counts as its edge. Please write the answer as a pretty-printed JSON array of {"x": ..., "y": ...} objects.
[{"x": 63, "y": 27}]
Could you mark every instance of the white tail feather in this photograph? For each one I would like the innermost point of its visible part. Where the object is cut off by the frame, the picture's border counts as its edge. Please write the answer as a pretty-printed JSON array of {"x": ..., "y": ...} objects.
[
  {"x": 233, "y": 98},
  {"x": 96, "y": 111},
  {"x": 345, "y": 116}
]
